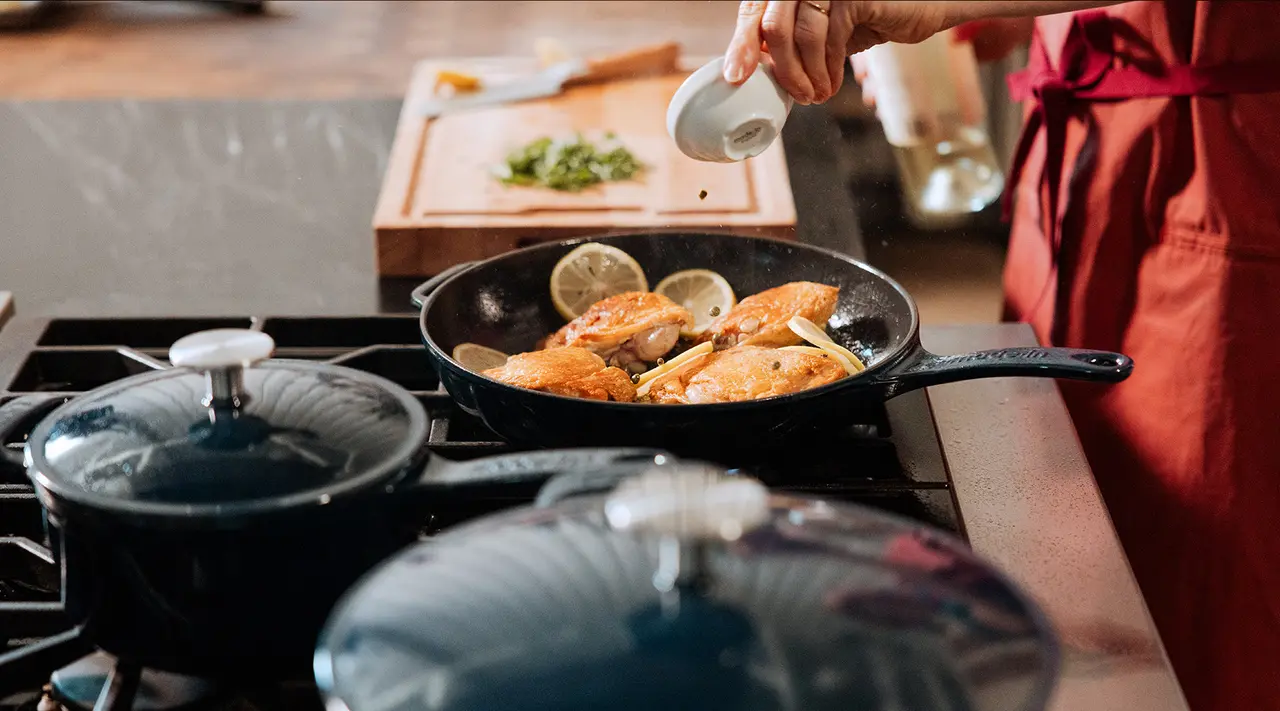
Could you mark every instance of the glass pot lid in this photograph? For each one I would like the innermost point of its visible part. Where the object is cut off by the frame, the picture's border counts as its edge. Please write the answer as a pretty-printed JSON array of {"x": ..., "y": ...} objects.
[
  {"x": 687, "y": 588},
  {"x": 226, "y": 431}
]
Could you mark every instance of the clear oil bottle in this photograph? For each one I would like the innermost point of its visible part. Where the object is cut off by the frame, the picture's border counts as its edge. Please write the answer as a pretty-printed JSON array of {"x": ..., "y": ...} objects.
[{"x": 930, "y": 104}]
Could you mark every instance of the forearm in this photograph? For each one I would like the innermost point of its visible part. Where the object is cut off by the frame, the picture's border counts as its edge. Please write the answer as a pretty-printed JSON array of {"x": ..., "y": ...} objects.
[{"x": 963, "y": 11}]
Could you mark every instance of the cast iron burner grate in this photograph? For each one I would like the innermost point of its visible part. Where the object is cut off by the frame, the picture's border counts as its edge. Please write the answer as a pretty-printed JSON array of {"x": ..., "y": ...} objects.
[{"x": 891, "y": 461}]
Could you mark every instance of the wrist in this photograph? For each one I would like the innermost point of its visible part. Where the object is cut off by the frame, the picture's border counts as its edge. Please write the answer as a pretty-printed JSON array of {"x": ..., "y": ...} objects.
[
  {"x": 962, "y": 11},
  {"x": 959, "y": 13}
]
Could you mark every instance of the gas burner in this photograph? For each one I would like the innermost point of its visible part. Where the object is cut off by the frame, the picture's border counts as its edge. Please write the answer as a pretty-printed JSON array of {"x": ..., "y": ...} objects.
[
  {"x": 891, "y": 460},
  {"x": 99, "y": 681}
]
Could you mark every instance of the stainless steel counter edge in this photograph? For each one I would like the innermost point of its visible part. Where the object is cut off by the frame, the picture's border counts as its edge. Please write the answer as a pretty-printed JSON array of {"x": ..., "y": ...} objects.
[{"x": 1030, "y": 504}]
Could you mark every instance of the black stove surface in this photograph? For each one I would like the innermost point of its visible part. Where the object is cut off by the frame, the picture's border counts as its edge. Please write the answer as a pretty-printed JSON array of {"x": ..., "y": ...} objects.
[{"x": 893, "y": 462}]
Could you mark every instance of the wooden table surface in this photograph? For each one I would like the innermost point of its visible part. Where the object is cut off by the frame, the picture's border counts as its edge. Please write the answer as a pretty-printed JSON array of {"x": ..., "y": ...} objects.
[{"x": 319, "y": 50}]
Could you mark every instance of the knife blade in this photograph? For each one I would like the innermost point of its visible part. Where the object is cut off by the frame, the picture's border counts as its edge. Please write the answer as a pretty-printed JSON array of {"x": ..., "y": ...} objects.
[
  {"x": 554, "y": 79},
  {"x": 548, "y": 82}
]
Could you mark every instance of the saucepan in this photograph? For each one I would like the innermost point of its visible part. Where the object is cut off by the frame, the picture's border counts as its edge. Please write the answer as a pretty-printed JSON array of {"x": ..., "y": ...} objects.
[
  {"x": 209, "y": 514},
  {"x": 504, "y": 303},
  {"x": 687, "y": 588}
]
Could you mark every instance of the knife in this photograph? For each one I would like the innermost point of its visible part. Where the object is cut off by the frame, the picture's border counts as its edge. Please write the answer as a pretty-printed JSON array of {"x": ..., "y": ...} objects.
[{"x": 656, "y": 59}]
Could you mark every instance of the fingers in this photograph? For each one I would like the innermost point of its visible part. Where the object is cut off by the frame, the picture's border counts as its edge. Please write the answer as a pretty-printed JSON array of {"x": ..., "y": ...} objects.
[
  {"x": 862, "y": 39},
  {"x": 839, "y": 25},
  {"x": 811, "y": 45},
  {"x": 778, "y": 28},
  {"x": 743, "y": 55}
]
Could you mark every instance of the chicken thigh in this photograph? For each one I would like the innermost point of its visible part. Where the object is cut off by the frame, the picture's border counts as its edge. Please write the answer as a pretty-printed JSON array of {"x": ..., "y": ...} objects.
[
  {"x": 627, "y": 330},
  {"x": 575, "y": 372},
  {"x": 743, "y": 373},
  {"x": 761, "y": 319}
]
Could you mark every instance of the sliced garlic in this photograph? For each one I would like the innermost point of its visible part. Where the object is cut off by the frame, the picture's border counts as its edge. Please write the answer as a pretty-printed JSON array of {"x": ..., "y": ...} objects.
[
  {"x": 810, "y": 332},
  {"x": 807, "y": 349},
  {"x": 647, "y": 378}
]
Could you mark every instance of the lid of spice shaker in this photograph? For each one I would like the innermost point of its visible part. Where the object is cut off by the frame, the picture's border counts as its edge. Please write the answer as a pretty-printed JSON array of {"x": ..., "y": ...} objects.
[{"x": 712, "y": 120}]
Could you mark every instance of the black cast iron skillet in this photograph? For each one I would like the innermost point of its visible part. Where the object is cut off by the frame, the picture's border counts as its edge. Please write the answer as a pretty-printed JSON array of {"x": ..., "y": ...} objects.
[{"x": 504, "y": 303}]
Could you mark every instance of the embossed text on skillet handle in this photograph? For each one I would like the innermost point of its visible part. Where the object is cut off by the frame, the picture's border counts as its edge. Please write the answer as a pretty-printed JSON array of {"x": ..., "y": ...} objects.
[{"x": 923, "y": 369}]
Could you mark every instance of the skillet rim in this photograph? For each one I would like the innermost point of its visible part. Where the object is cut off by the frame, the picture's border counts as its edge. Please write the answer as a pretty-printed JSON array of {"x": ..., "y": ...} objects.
[{"x": 909, "y": 344}]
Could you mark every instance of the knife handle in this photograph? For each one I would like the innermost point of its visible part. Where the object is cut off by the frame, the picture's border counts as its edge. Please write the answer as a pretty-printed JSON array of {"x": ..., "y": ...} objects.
[{"x": 654, "y": 59}]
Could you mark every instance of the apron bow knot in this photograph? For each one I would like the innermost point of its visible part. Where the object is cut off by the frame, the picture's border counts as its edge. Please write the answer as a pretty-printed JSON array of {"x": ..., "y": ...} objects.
[{"x": 1088, "y": 71}]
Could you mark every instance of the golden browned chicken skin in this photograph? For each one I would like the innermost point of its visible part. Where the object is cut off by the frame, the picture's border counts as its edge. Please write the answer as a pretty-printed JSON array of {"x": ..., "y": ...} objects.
[
  {"x": 761, "y": 319},
  {"x": 743, "y": 373},
  {"x": 575, "y": 372},
  {"x": 627, "y": 330}
]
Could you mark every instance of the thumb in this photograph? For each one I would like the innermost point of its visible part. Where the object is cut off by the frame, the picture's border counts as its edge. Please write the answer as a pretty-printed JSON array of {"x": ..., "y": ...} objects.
[{"x": 743, "y": 55}]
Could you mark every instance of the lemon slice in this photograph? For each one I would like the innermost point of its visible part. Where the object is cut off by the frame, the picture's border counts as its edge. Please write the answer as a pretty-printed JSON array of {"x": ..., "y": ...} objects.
[
  {"x": 702, "y": 291},
  {"x": 590, "y": 273},
  {"x": 646, "y": 378},
  {"x": 810, "y": 332},
  {"x": 477, "y": 358}
]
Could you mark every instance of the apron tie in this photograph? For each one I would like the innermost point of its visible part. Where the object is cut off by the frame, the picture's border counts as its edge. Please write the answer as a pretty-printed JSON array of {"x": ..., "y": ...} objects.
[
  {"x": 1086, "y": 56},
  {"x": 1089, "y": 70}
]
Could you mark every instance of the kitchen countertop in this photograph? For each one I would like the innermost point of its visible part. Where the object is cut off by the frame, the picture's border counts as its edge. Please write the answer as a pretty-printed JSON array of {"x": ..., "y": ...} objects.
[
  {"x": 215, "y": 207},
  {"x": 1030, "y": 505},
  {"x": 229, "y": 207}
]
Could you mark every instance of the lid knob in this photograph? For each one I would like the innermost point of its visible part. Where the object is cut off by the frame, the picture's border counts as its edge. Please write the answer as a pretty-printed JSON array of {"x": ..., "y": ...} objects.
[
  {"x": 689, "y": 502},
  {"x": 222, "y": 355},
  {"x": 688, "y": 508}
]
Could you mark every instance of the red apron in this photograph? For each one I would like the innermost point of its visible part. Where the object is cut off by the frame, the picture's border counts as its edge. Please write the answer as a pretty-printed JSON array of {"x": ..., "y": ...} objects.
[{"x": 1147, "y": 220}]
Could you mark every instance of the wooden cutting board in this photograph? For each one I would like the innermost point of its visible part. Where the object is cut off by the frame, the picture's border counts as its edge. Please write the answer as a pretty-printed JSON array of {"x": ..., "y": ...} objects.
[{"x": 440, "y": 203}]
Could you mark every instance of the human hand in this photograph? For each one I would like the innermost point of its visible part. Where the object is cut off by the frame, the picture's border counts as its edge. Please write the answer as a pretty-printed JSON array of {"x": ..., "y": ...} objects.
[{"x": 807, "y": 46}]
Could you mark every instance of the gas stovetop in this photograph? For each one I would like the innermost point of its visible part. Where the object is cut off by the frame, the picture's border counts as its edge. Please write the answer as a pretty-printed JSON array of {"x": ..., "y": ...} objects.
[{"x": 893, "y": 462}]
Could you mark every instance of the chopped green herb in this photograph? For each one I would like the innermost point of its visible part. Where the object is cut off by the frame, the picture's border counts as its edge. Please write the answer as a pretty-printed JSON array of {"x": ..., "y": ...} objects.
[{"x": 568, "y": 165}]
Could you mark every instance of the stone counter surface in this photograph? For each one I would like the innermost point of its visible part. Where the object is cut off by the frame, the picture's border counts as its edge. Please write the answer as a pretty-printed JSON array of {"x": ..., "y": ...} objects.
[
  {"x": 1031, "y": 506},
  {"x": 217, "y": 207}
]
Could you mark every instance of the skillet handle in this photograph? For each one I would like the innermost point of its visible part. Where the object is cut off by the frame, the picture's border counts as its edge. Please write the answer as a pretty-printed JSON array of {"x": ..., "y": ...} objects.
[
  {"x": 16, "y": 412},
  {"x": 420, "y": 293},
  {"x": 924, "y": 369},
  {"x": 538, "y": 467}
]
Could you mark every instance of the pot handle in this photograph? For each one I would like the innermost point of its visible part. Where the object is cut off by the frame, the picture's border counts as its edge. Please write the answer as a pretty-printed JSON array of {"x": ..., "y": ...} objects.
[
  {"x": 420, "y": 293},
  {"x": 533, "y": 467},
  {"x": 29, "y": 666},
  {"x": 15, "y": 412},
  {"x": 924, "y": 369}
]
